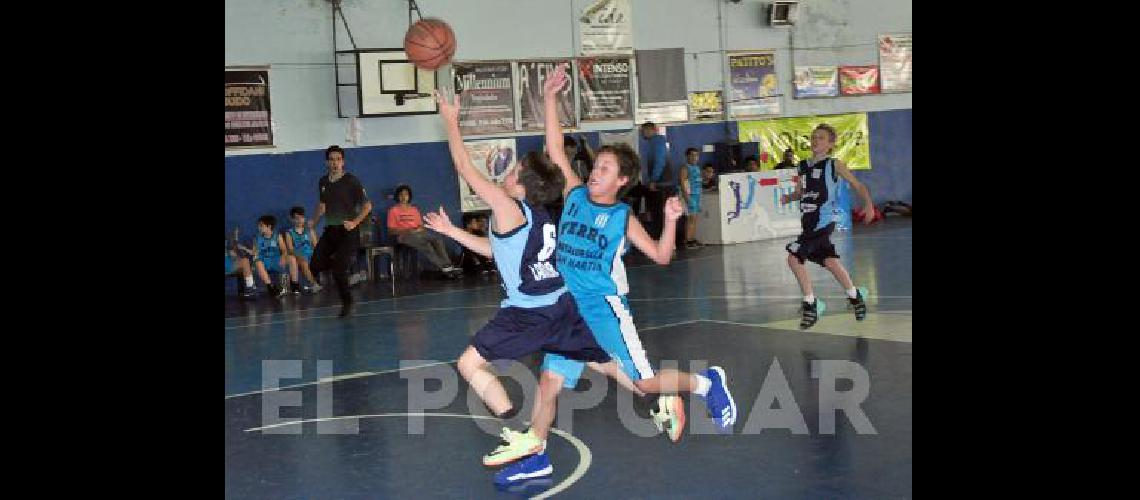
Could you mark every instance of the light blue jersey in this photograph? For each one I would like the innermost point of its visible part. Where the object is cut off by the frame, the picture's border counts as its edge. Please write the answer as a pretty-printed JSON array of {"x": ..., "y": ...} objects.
[
  {"x": 302, "y": 243},
  {"x": 267, "y": 249},
  {"x": 591, "y": 242}
]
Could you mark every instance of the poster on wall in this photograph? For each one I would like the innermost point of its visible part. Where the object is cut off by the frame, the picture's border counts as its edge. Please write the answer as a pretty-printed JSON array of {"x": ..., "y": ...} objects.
[
  {"x": 706, "y": 106},
  {"x": 894, "y": 62},
  {"x": 853, "y": 145},
  {"x": 816, "y": 81},
  {"x": 493, "y": 158},
  {"x": 248, "y": 122},
  {"x": 858, "y": 80},
  {"x": 605, "y": 89},
  {"x": 486, "y": 95},
  {"x": 532, "y": 74},
  {"x": 606, "y": 27},
  {"x": 752, "y": 84}
]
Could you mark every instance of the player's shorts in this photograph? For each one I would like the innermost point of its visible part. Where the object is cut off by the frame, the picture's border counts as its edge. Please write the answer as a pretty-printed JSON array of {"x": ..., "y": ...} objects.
[
  {"x": 231, "y": 266},
  {"x": 694, "y": 204},
  {"x": 272, "y": 265},
  {"x": 306, "y": 254},
  {"x": 610, "y": 319},
  {"x": 515, "y": 332},
  {"x": 815, "y": 246}
]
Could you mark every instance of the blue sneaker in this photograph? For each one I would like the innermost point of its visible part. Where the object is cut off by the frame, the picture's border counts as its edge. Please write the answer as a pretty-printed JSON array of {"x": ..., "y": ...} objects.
[
  {"x": 721, "y": 406},
  {"x": 532, "y": 467}
]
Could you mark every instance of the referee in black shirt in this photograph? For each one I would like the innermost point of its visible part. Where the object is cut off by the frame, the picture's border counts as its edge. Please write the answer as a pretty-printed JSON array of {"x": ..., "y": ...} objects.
[{"x": 341, "y": 194}]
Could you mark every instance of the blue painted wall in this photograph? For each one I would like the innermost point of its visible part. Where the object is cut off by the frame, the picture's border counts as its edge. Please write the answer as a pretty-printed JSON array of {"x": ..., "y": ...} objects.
[{"x": 260, "y": 184}]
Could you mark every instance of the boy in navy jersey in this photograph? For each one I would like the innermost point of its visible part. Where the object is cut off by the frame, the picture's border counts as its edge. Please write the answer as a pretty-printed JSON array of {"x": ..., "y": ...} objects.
[{"x": 817, "y": 194}]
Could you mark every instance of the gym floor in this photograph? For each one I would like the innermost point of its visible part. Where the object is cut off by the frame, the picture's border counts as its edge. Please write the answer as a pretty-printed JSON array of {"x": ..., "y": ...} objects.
[{"x": 735, "y": 306}]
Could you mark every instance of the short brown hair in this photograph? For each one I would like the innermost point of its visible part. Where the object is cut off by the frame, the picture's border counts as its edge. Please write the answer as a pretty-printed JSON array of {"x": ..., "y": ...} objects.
[
  {"x": 541, "y": 178},
  {"x": 830, "y": 131},
  {"x": 629, "y": 165}
]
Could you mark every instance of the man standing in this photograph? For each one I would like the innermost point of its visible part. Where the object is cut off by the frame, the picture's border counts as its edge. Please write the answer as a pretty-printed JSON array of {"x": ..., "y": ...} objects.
[
  {"x": 662, "y": 181},
  {"x": 347, "y": 205}
]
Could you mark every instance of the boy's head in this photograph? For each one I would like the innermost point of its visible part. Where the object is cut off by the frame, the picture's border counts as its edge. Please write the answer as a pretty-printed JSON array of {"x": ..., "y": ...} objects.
[
  {"x": 403, "y": 193},
  {"x": 648, "y": 129},
  {"x": 297, "y": 215},
  {"x": 616, "y": 166},
  {"x": 751, "y": 164},
  {"x": 334, "y": 158},
  {"x": 708, "y": 171},
  {"x": 693, "y": 155},
  {"x": 536, "y": 179},
  {"x": 265, "y": 224},
  {"x": 823, "y": 139},
  {"x": 789, "y": 155}
]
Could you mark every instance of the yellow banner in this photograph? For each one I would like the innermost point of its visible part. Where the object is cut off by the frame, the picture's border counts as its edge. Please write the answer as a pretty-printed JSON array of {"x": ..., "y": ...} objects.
[{"x": 775, "y": 135}]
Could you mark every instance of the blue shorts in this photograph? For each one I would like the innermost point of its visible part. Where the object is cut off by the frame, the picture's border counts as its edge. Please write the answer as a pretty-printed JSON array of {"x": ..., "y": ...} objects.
[
  {"x": 272, "y": 265},
  {"x": 610, "y": 319},
  {"x": 306, "y": 255},
  {"x": 515, "y": 332},
  {"x": 231, "y": 266},
  {"x": 694, "y": 203}
]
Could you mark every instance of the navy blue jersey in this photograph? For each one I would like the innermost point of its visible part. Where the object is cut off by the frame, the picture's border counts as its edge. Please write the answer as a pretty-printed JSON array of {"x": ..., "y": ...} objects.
[
  {"x": 820, "y": 194},
  {"x": 526, "y": 260}
]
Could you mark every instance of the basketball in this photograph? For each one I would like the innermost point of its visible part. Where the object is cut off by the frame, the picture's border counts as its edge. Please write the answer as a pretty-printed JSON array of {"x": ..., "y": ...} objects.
[{"x": 429, "y": 43}]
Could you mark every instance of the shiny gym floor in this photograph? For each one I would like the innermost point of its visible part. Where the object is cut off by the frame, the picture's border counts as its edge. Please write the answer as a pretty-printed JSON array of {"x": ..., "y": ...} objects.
[{"x": 352, "y": 434}]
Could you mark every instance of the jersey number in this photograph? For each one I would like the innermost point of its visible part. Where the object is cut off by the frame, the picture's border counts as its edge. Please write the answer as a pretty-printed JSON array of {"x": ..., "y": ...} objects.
[{"x": 549, "y": 233}]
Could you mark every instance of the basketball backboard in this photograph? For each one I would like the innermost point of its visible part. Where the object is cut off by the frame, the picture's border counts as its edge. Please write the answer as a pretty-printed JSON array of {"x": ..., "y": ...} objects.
[{"x": 390, "y": 85}]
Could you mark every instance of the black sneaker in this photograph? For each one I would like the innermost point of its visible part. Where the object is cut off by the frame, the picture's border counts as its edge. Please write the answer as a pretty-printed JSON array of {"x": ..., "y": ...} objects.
[
  {"x": 346, "y": 310},
  {"x": 811, "y": 313},
  {"x": 858, "y": 304},
  {"x": 249, "y": 292},
  {"x": 295, "y": 287}
]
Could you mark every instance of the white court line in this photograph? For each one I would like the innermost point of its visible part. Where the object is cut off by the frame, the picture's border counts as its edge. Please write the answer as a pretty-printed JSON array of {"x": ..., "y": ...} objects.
[
  {"x": 330, "y": 380},
  {"x": 369, "y": 374},
  {"x": 378, "y": 313},
  {"x": 585, "y": 458}
]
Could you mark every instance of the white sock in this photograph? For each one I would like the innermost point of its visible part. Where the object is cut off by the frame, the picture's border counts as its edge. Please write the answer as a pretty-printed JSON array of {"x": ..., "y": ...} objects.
[
  {"x": 852, "y": 292},
  {"x": 703, "y": 385},
  {"x": 249, "y": 281},
  {"x": 809, "y": 298}
]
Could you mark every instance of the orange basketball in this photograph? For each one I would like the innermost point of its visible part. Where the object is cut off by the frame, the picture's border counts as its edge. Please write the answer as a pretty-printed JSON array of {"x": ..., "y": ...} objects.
[{"x": 429, "y": 43}]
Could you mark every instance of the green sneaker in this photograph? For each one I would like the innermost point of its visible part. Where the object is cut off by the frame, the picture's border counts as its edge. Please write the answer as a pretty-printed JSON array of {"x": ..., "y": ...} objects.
[
  {"x": 515, "y": 445},
  {"x": 670, "y": 416},
  {"x": 859, "y": 303}
]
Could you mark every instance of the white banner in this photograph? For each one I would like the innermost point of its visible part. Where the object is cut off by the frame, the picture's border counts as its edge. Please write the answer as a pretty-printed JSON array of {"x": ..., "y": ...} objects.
[
  {"x": 894, "y": 62},
  {"x": 494, "y": 158},
  {"x": 750, "y": 206},
  {"x": 606, "y": 27}
]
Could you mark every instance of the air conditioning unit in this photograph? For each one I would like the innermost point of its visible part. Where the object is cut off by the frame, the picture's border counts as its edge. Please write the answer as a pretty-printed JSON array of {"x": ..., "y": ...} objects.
[{"x": 782, "y": 13}]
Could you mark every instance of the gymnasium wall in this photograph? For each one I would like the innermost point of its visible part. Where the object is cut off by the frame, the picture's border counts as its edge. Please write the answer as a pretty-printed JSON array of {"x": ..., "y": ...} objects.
[{"x": 295, "y": 38}]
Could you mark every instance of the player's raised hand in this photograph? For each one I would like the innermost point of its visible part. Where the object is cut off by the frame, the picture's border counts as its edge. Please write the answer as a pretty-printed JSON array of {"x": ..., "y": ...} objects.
[
  {"x": 555, "y": 80},
  {"x": 439, "y": 222},
  {"x": 449, "y": 111}
]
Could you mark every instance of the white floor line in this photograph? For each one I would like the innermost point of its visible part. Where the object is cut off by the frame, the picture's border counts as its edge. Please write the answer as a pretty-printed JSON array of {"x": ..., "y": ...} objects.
[
  {"x": 369, "y": 374},
  {"x": 585, "y": 458}
]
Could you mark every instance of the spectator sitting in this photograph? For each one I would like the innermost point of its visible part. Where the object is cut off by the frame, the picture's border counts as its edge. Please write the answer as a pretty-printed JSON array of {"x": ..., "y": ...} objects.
[{"x": 406, "y": 223}]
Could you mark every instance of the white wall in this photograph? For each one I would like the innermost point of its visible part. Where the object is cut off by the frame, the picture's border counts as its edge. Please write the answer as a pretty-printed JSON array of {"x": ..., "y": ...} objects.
[{"x": 294, "y": 37}]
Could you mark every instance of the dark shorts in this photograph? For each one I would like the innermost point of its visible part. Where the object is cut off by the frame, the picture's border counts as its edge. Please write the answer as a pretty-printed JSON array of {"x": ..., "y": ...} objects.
[
  {"x": 558, "y": 328},
  {"x": 815, "y": 246}
]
